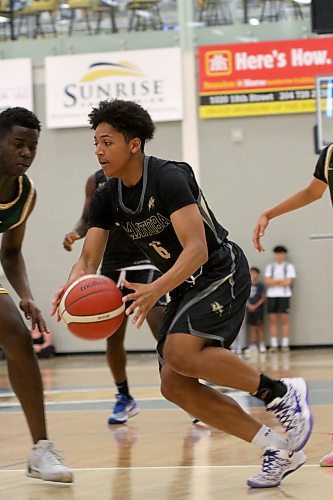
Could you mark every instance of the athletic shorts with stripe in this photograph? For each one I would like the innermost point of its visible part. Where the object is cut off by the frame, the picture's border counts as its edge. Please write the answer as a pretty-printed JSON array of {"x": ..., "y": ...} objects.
[
  {"x": 3, "y": 290},
  {"x": 136, "y": 276},
  {"x": 214, "y": 307}
]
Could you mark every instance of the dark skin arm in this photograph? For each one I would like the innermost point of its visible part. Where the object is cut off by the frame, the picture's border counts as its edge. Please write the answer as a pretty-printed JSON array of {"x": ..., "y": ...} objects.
[
  {"x": 314, "y": 191},
  {"x": 81, "y": 227},
  {"x": 13, "y": 264},
  {"x": 90, "y": 258}
]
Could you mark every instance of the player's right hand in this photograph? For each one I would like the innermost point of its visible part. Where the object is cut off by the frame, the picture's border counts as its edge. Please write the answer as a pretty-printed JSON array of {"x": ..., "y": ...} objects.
[
  {"x": 259, "y": 232},
  {"x": 69, "y": 239}
]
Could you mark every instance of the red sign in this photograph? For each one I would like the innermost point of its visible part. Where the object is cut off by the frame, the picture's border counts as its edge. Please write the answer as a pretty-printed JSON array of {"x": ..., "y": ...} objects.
[{"x": 262, "y": 78}]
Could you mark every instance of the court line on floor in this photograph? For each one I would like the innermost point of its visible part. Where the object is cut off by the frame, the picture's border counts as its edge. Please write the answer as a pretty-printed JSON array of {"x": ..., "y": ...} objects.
[{"x": 167, "y": 467}]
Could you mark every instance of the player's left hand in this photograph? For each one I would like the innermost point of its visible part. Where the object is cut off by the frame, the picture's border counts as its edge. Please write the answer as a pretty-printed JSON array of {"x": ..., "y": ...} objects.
[
  {"x": 144, "y": 298},
  {"x": 32, "y": 312}
]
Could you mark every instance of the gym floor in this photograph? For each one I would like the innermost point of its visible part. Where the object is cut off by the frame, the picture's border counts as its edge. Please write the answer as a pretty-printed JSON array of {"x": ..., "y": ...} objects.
[{"x": 158, "y": 453}]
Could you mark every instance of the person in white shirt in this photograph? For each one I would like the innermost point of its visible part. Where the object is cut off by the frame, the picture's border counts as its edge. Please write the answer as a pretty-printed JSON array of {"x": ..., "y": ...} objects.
[{"x": 279, "y": 277}]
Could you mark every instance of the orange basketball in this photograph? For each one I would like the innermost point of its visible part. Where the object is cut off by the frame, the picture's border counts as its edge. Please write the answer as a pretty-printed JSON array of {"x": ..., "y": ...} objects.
[{"x": 92, "y": 307}]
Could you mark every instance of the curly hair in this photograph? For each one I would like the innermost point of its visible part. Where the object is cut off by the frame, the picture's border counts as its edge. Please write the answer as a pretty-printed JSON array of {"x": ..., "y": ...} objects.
[
  {"x": 127, "y": 117},
  {"x": 18, "y": 116}
]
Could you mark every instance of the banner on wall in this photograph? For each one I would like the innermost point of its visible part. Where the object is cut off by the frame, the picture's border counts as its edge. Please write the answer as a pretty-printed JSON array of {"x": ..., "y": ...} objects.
[
  {"x": 76, "y": 83},
  {"x": 262, "y": 78},
  {"x": 16, "y": 83}
]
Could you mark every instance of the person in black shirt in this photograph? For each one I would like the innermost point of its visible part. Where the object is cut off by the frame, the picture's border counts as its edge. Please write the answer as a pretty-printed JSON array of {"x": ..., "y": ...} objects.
[
  {"x": 120, "y": 261},
  {"x": 161, "y": 207},
  {"x": 322, "y": 177}
]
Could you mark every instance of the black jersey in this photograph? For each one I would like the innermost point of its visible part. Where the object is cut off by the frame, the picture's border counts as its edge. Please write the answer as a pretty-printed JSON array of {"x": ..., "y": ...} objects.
[
  {"x": 324, "y": 168},
  {"x": 319, "y": 172},
  {"x": 144, "y": 210},
  {"x": 120, "y": 251}
]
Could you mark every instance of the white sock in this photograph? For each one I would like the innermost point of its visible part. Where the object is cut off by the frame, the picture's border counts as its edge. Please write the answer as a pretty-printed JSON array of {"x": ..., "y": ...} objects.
[
  {"x": 274, "y": 342},
  {"x": 267, "y": 437},
  {"x": 285, "y": 342}
]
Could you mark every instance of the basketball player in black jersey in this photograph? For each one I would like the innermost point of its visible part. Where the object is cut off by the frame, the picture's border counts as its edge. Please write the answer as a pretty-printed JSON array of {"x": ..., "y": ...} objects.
[
  {"x": 322, "y": 177},
  {"x": 120, "y": 261},
  {"x": 161, "y": 207},
  {"x": 19, "y": 134}
]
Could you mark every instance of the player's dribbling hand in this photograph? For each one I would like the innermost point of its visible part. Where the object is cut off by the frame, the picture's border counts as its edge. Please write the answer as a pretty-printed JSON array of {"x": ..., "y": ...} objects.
[
  {"x": 61, "y": 291},
  {"x": 259, "y": 232},
  {"x": 32, "y": 312},
  {"x": 69, "y": 239},
  {"x": 56, "y": 301},
  {"x": 144, "y": 298}
]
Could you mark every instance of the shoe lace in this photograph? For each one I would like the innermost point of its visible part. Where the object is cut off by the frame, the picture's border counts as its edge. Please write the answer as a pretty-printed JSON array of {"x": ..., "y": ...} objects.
[
  {"x": 53, "y": 456},
  {"x": 286, "y": 409},
  {"x": 121, "y": 402},
  {"x": 271, "y": 462}
]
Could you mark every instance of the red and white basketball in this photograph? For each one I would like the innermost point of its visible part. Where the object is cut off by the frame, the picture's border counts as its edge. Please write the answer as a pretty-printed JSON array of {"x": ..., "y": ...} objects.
[{"x": 92, "y": 307}]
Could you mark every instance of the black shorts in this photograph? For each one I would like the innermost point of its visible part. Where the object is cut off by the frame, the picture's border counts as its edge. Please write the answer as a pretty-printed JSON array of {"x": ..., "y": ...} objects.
[
  {"x": 255, "y": 318},
  {"x": 278, "y": 305},
  {"x": 214, "y": 307},
  {"x": 136, "y": 276}
]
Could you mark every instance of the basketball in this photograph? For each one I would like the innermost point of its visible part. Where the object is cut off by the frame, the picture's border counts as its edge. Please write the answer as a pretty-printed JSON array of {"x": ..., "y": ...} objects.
[{"x": 92, "y": 307}]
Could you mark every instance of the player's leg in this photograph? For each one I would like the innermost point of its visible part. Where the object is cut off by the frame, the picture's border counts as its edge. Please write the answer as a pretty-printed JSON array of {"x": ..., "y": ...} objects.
[
  {"x": 155, "y": 315},
  {"x": 209, "y": 316},
  {"x": 209, "y": 405},
  {"x": 25, "y": 379},
  {"x": 154, "y": 319},
  {"x": 23, "y": 369},
  {"x": 117, "y": 357},
  {"x": 125, "y": 405},
  {"x": 221, "y": 411}
]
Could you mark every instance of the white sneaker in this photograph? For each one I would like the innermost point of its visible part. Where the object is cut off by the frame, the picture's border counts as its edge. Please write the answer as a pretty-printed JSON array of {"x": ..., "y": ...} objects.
[
  {"x": 293, "y": 412},
  {"x": 251, "y": 350},
  {"x": 276, "y": 465},
  {"x": 262, "y": 348},
  {"x": 46, "y": 463}
]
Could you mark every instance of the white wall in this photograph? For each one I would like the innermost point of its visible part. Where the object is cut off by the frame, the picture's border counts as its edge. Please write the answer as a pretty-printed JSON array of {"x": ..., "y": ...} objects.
[
  {"x": 242, "y": 179},
  {"x": 275, "y": 158}
]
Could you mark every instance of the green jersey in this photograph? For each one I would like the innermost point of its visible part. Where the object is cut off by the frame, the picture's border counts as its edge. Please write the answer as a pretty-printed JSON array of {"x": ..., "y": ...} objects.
[{"x": 15, "y": 212}]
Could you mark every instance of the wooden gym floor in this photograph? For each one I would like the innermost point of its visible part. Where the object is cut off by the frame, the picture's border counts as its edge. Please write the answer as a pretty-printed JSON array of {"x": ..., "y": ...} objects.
[{"x": 159, "y": 454}]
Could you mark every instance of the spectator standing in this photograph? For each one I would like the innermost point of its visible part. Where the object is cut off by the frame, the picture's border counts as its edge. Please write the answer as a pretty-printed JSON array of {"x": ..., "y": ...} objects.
[{"x": 279, "y": 278}]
